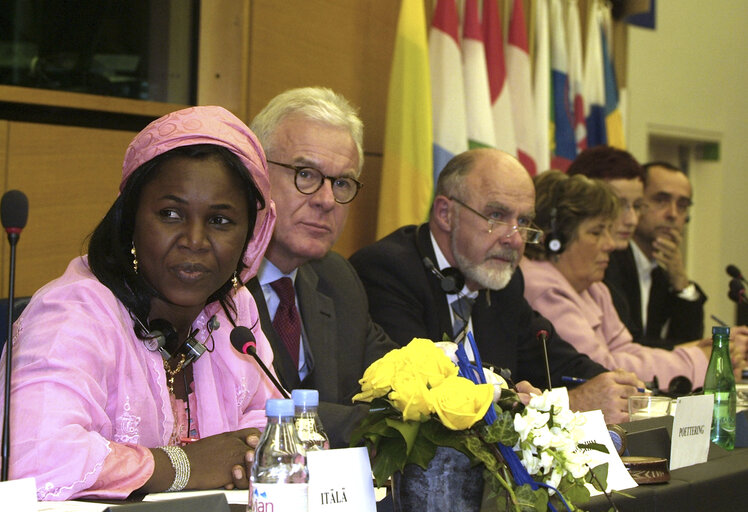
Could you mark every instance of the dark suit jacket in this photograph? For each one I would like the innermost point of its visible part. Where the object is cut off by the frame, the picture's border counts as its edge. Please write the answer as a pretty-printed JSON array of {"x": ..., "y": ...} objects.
[
  {"x": 686, "y": 317},
  {"x": 406, "y": 300},
  {"x": 342, "y": 340}
]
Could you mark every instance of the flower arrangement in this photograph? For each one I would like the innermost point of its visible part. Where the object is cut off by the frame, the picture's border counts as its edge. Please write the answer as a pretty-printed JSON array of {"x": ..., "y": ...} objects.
[{"x": 419, "y": 401}]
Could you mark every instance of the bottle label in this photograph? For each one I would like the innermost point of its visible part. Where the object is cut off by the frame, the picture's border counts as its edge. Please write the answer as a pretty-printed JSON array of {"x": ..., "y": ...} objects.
[{"x": 279, "y": 497}]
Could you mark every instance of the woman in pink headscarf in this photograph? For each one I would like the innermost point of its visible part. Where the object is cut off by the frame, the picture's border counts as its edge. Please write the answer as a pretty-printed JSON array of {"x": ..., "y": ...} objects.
[{"x": 102, "y": 405}]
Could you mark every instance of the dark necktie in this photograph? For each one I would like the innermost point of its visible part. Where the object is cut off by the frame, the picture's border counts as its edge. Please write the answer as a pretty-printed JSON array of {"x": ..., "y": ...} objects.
[
  {"x": 657, "y": 307},
  {"x": 461, "y": 308},
  {"x": 287, "y": 322}
]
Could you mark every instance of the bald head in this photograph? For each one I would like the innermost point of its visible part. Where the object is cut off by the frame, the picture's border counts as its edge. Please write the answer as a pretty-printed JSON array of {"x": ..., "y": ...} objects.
[{"x": 475, "y": 186}]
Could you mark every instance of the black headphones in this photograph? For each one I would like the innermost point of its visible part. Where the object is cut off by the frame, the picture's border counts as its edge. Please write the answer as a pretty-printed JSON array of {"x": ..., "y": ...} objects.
[
  {"x": 555, "y": 242},
  {"x": 161, "y": 334},
  {"x": 451, "y": 279}
]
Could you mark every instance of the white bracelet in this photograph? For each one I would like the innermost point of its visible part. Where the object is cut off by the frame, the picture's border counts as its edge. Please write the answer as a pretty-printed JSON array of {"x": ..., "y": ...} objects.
[{"x": 181, "y": 465}]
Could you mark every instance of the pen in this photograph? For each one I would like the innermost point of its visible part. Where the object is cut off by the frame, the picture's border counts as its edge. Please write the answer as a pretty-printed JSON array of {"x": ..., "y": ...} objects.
[
  {"x": 720, "y": 322},
  {"x": 578, "y": 380}
]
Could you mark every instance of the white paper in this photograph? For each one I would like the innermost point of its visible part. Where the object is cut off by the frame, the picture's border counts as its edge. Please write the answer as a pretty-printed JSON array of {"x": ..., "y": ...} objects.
[
  {"x": 233, "y": 497},
  {"x": 18, "y": 495},
  {"x": 340, "y": 480},
  {"x": 692, "y": 425},
  {"x": 596, "y": 430}
]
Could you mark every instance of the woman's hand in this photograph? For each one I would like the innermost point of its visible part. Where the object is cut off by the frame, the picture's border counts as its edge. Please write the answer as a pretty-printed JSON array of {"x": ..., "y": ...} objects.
[{"x": 219, "y": 461}]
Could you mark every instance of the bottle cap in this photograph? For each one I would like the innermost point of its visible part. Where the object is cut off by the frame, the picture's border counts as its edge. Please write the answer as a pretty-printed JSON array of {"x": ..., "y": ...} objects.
[
  {"x": 305, "y": 397},
  {"x": 721, "y": 330},
  {"x": 279, "y": 407}
]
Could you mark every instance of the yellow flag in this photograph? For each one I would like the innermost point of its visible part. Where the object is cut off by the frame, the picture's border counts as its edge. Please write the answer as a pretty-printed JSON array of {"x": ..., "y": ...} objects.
[{"x": 407, "y": 182}]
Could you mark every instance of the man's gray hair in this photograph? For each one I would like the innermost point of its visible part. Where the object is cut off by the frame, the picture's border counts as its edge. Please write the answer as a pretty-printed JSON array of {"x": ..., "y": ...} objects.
[{"x": 316, "y": 104}]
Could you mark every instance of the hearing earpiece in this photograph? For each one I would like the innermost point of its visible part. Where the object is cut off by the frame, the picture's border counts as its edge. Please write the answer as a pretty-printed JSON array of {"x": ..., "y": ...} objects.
[{"x": 555, "y": 242}]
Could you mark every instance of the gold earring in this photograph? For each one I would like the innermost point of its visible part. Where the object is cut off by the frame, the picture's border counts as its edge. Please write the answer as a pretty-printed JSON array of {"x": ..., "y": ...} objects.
[
  {"x": 134, "y": 259},
  {"x": 235, "y": 281}
]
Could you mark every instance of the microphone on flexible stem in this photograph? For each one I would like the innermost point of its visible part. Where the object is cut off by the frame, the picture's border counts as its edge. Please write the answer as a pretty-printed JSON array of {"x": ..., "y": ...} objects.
[
  {"x": 244, "y": 341},
  {"x": 542, "y": 337},
  {"x": 735, "y": 273},
  {"x": 451, "y": 280},
  {"x": 14, "y": 211}
]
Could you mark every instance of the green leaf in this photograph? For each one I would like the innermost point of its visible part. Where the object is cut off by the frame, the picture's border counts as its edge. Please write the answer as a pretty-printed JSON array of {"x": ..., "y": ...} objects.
[
  {"x": 390, "y": 457},
  {"x": 502, "y": 431},
  {"x": 600, "y": 473},
  {"x": 408, "y": 429},
  {"x": 531, "y": 501},
  {"x": 592, "y": 445},
  {"x": 422, "y": 453},
  {"x": 574, "y": 490}
]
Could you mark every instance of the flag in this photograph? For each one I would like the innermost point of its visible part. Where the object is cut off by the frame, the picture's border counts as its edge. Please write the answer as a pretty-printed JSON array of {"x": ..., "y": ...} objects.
[
  {"x": 542, "y": 86},
  {"x": 501, "y": 102},
  {"x": 594, "y": 80},
  {"x": 407, "y": 183},
  {"x": 518, "y": 70},
  {"x": 447, "y": 91},
  {"x": 474, "y": 71},
  {"x": 563, "y": 145},
  {"x": 574, "y": 40},
  {"x": 613, "y": 116}
]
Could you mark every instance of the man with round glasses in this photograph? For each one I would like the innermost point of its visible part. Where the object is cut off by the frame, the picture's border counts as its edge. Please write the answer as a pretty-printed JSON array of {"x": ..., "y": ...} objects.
[
  {"x": 312, "y": 305},
  {"x": 481, "y": 219}
]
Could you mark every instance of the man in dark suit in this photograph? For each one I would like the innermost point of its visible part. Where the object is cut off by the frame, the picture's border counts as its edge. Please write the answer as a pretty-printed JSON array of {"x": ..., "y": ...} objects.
[
  {"x": 672, "y": 311},
  {"x": 312, "y": 305},
  {"x": 480, "y": 220}
]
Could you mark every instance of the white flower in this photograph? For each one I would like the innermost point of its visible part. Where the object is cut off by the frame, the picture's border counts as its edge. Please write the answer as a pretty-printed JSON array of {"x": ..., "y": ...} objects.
[
  {"x": 541, "y": 437},
  {"x": 522, "y": 426},
  {"x": 498, "y": 383},
  {"x": 546, "y": 460},
  {"x": 554, "y": 479},
  {"x": 449, "y": 348},
  {"x": 531, "y": 463}
]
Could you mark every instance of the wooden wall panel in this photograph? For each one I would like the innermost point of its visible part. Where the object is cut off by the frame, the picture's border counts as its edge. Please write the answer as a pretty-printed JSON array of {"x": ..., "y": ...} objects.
[
  {"x": 70, "y": 176},
  {"x": 340, "y": 44}
]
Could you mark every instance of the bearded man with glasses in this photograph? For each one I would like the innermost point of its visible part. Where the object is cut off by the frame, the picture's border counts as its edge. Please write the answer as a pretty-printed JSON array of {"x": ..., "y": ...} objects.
[
  {"x": 311, "y": 303},
  {"x": 481, "y": 219}
]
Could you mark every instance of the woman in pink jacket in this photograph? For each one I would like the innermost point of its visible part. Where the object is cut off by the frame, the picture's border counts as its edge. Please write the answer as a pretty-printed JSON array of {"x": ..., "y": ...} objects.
[
  {"x": 563, "y": 280},
  {"x": 110, "y": 392}
]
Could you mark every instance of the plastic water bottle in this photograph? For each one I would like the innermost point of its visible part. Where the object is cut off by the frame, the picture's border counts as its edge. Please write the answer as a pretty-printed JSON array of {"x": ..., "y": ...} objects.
[
  {"x": 279, "y": 477},
  {"x": 720, "y": 382},
  {"x": 308, "y": 425}
]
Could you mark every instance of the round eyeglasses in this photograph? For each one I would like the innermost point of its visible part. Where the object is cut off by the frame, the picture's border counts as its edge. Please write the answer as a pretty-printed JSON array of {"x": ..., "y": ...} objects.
[
  {"x": 528, "y": 234},
  {"x": 309, "y": 180}
]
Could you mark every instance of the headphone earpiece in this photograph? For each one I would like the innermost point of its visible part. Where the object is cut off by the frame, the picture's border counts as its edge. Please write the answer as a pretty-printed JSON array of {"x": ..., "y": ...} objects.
[
  {"x": 555, "y": 242},
  {"x": 160, "y": 333},
  {"x": 453, "y": 280}
]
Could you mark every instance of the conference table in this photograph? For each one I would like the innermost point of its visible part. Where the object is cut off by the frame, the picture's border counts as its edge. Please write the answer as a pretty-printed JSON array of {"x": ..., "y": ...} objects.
[{"x": 721, "y": 483}]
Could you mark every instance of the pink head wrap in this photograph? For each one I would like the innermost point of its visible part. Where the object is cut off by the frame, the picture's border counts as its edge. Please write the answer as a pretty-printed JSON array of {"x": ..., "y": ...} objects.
[{"x": 210, "y": 125}]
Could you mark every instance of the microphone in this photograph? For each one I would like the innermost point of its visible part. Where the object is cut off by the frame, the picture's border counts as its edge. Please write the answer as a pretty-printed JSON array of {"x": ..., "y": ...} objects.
[
  {"x": 735, "y": 273},
  {"x": 737, "y": 291},
  {"x": 451, "y": 280},
  {"x": 244, "y": 341},
  {"x": 14, "y": 211},
  {"x": 542, "y": 337}
]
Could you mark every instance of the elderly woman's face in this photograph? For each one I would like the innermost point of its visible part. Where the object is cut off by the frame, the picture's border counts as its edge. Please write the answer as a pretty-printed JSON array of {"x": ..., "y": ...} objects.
[
  {"x": 585, "y": 259},
  {"x": 190, "y": 229}
]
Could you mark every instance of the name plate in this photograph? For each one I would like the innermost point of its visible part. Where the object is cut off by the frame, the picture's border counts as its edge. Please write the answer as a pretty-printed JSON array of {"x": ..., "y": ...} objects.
[
  {"x": 692, "y": 425},
  {"x": 19, "y": 495},
  {"x": 340, "y": 480}
]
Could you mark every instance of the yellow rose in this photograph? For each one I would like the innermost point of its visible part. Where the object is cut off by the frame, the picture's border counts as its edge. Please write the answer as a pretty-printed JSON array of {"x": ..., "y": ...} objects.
[
  {"x": 460, "y": 403},
  {"x": 410, "y": 394},
  {"x": 377, "y": 379},
  {"x": 429, "y": 361}
]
